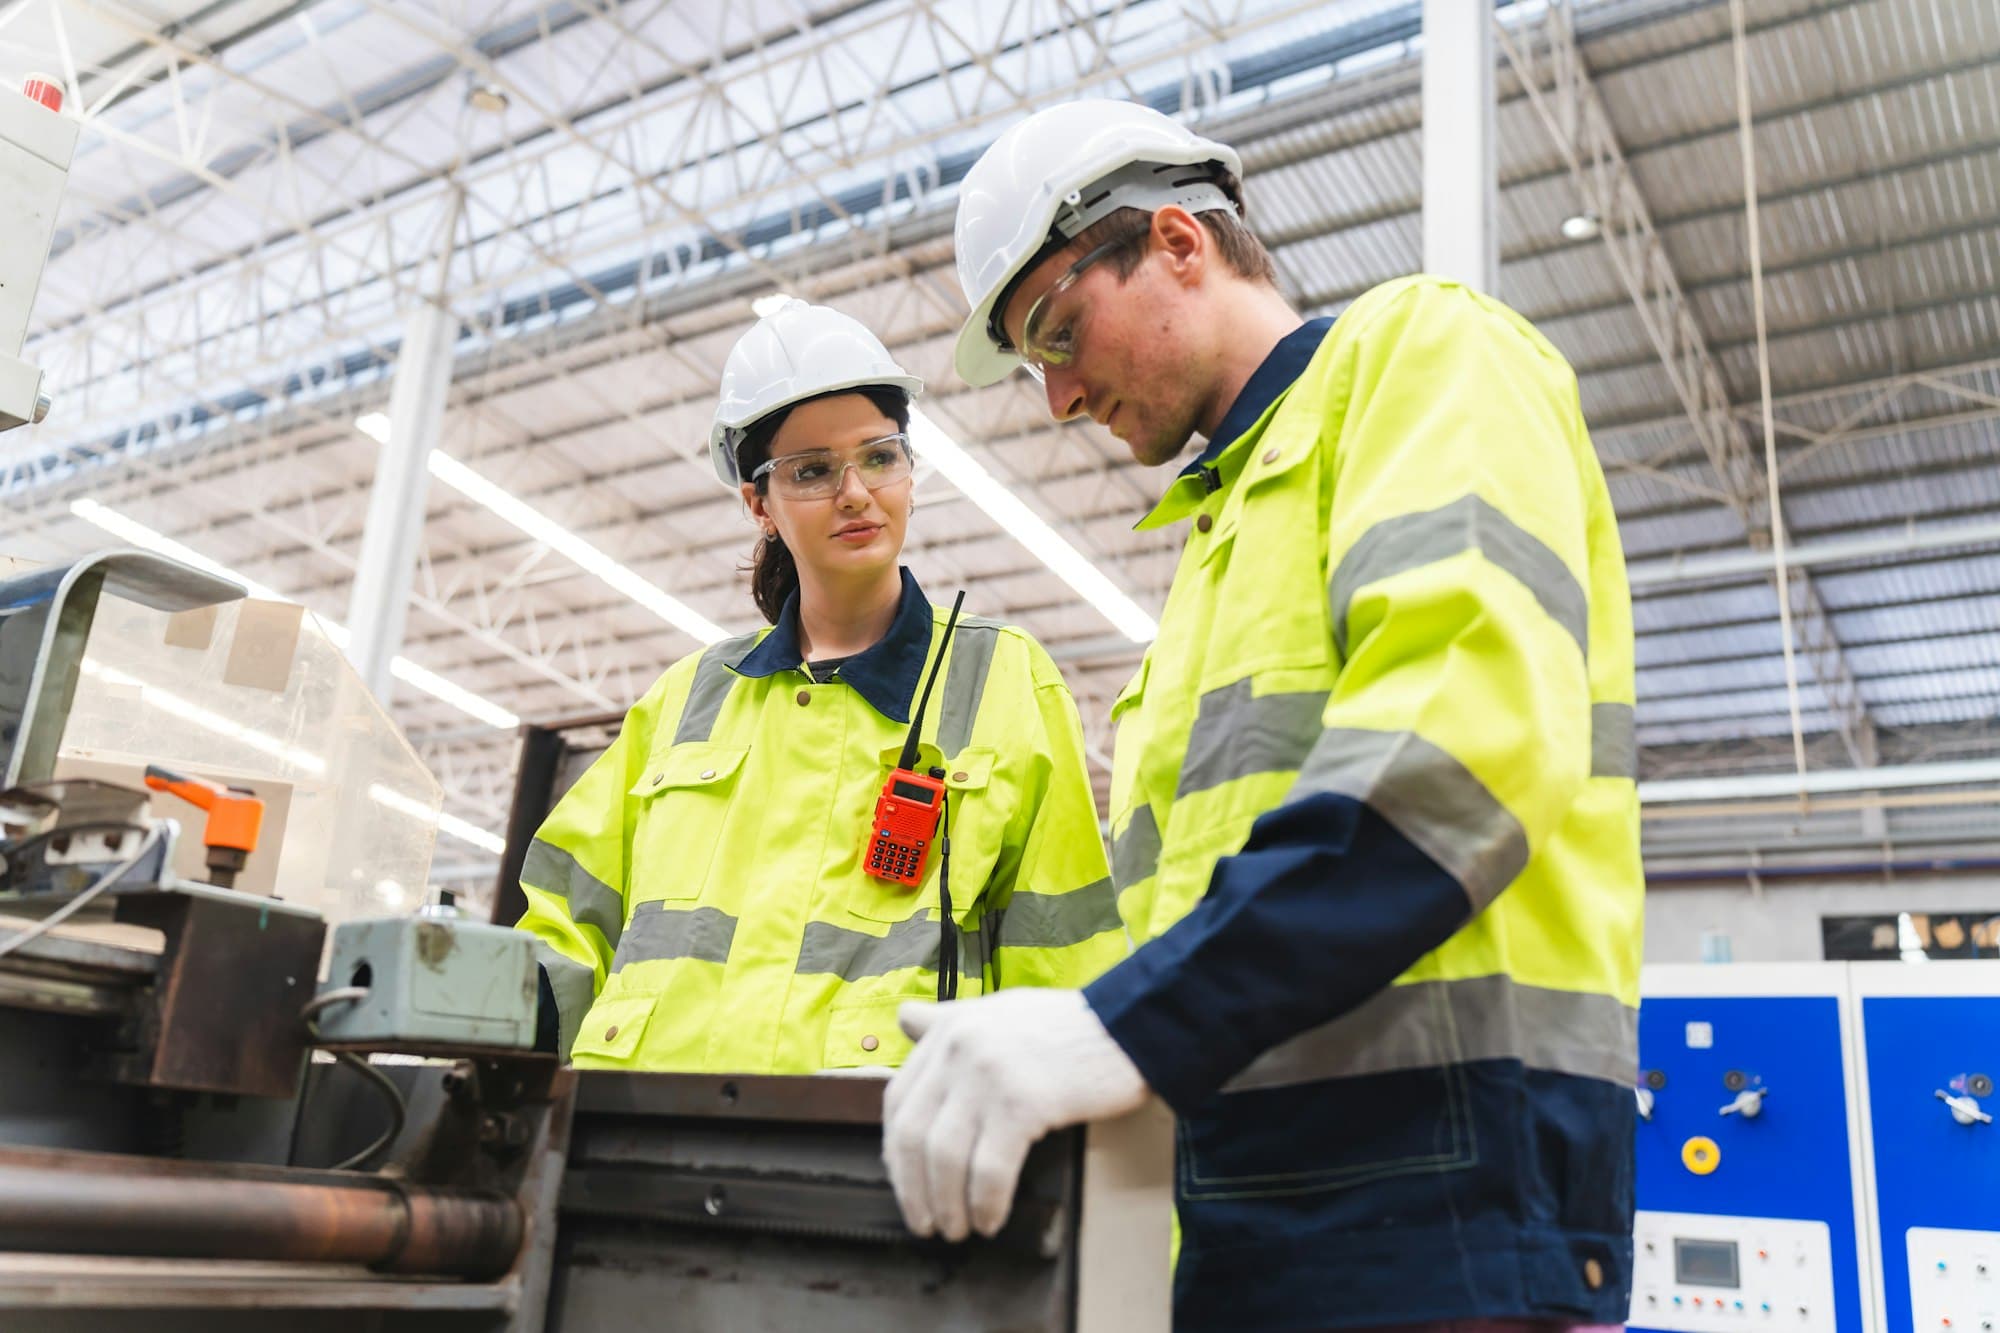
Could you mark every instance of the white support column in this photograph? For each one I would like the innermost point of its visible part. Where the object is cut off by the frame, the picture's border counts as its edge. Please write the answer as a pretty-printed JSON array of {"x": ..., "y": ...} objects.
[
  {"x": 389, "y": 544},
  {"x": 1461, "y": 168}
]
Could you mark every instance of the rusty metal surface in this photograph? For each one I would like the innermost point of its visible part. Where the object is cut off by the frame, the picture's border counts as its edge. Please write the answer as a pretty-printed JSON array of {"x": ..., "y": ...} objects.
[
  {"x": 100, "y": 1203},
  {"x": 540, "y": 1189},
  {"x": 475, "y": 1178},
  {"x": 799, "y": 1100},
  {"x": 474, "y": 1236},
  {"x": 223, "y": 1015}
]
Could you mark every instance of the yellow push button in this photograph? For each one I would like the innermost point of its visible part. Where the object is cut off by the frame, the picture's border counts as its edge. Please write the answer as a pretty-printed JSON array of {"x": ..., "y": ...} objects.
[{"x": 1700, "y": 1155}]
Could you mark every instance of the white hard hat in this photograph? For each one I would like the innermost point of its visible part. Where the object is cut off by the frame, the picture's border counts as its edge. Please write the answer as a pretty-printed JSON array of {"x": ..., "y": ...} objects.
[
  {"x": 1062, "y": 170},
  {"x": 796, "y": 352}
]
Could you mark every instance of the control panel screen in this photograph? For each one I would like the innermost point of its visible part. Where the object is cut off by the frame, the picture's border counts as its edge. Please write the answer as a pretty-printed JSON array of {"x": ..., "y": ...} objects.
[
  {"x": 910, "y": 791},
  {"x": 1705, "y": 1263}
]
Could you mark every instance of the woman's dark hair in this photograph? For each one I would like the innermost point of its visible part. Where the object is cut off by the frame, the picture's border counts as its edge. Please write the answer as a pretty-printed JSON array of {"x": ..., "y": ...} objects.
[{"x": 774, "y": 574}]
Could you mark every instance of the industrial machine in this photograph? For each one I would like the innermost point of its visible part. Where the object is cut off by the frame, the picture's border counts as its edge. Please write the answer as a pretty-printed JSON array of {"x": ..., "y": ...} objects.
[
  {"x": 36, "y": 144},
  {"x": 245, "y": 1078},
  {"x": 1927, "y": 1056},
  {"x": 1750, "y": 1177},
  {"x": 1814, "y": 1150}
]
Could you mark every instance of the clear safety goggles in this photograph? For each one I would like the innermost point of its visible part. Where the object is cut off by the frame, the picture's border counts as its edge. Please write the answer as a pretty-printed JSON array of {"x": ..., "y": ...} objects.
[
  {"x": 1053, "y": 330},
  {"x": 818, "y": 474}
]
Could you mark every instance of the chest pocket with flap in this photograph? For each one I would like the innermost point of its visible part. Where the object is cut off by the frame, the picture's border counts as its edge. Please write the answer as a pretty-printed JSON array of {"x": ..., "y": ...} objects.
[
  {"x": 1268, "y": 554},
  {"x": 682, "y": 799}
]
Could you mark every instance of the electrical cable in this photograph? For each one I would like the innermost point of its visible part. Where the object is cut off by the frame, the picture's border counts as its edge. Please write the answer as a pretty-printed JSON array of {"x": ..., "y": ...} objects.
[
  {"x": 398, "y": 1109},
  {"x": 149, "y": 839}
]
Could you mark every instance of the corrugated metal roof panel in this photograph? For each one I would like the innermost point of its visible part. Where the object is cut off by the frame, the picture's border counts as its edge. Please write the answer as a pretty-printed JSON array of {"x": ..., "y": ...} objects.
[{"x": 1878, "y": 147}]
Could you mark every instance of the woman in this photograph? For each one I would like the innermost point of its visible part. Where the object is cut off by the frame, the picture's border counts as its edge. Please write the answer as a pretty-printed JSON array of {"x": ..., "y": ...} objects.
[{"x": 701, "y": 895}]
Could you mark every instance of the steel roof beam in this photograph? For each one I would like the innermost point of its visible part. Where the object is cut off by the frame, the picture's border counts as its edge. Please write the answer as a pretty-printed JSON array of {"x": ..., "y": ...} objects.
[{"x": 1574, "y": 115}]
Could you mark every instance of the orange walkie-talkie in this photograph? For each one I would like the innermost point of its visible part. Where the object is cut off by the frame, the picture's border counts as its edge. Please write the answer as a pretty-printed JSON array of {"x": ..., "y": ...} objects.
[
  {"x": 907, "y": 813},
  {"x": 905, "y": 827}
]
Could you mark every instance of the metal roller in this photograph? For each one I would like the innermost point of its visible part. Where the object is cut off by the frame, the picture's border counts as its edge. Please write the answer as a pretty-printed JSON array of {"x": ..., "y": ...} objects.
[{"x": 69, "y": 1203}]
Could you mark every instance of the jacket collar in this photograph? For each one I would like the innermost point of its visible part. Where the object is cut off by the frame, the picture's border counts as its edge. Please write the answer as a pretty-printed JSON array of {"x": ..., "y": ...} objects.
[
  {"x": 885, "y": 674},
  {"x": 1221, "y": 461}
]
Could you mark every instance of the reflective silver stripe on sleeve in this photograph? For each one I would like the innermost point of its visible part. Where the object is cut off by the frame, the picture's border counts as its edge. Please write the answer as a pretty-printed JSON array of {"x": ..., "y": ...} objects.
[
  {"x": 1614, "y": 750},
  {"x": 1238, "y": 733},
  {"x": 1430, "y": 1024},
  {"x": 658, "y": 931},
  {"x": 854, "y": 955},
  {"x": 714, "y": 676},
  {"x": 1428, "y": 797},
  {"x": 1411, "y": 541},
  {"x": 592, "y": 902},
  {"x": 1135, "y": 853},
  {"x": 1058, "y": 920},
  {"x": 972, "y": 645},
  {"x": 575, "y": 989}
]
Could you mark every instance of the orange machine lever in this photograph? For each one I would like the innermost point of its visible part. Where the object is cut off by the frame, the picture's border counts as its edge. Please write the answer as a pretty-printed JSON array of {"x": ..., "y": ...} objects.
[{"x": 235, "y": 817}]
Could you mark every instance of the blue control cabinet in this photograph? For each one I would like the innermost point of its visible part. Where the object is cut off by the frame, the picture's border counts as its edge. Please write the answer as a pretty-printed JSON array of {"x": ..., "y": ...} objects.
[
  {"x": 1749, "y": 1157},
  {"x": 1930, "y": 1060},
  {"x": 1819, "y": 1148}
]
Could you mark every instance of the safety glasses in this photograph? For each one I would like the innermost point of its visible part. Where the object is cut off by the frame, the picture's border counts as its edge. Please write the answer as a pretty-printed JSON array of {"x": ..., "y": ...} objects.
[
  {"x": 1053, "y": 330},
  {"x": 818, "y": 474}
]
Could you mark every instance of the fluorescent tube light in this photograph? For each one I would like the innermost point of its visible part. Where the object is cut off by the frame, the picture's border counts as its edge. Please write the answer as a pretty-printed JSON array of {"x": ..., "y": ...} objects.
[{"x": 539, "y": 526}]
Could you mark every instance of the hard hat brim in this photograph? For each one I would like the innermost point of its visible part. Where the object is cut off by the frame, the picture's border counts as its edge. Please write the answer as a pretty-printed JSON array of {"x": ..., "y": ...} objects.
[{"x": 975, "y": 358}]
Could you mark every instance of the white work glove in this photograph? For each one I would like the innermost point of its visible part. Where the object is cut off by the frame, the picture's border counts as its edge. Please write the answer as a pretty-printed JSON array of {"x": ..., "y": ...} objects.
[{"x": 990, "y": 1076}]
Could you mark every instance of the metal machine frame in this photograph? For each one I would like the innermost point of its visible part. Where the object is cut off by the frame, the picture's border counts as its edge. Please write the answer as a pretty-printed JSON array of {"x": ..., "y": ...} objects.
[
  {"x": 165, "y": 1139},
  {"x": 525, "y": 1198}
]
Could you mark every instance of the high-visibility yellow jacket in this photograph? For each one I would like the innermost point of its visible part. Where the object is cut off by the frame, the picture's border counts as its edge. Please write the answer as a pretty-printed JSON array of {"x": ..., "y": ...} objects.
[
  {"x": 1373, "y": 807},
  {"x": 699, "y": 893}
]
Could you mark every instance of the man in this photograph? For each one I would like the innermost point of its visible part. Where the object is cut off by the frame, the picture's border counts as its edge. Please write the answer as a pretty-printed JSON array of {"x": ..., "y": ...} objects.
[{"x": 1373, "y": 813}]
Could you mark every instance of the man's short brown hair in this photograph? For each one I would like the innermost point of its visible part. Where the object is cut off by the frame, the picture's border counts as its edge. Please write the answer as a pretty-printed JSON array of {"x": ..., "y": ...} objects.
[
  {"x": 1239, "y": 246},
  {"x": 1127, "y": 228}
]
